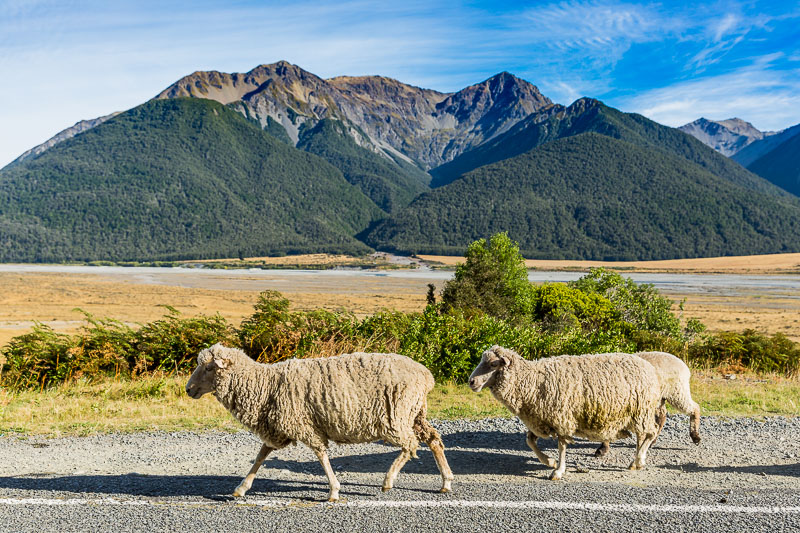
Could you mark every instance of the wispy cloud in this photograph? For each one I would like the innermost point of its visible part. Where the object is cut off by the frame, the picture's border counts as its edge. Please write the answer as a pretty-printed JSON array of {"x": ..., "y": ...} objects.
[
  {"x": 79, "y": 59},
  {"x": 770, "y": 99}
]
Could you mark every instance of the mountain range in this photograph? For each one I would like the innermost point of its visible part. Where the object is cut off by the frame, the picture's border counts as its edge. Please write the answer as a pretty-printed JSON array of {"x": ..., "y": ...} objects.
[
  {"x": 773, "y": 155},
  {"x": 278, "y": 160}
]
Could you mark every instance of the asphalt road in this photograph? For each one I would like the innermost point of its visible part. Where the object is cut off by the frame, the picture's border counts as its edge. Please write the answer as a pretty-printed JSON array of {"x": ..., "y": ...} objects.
[{"x": 745, "y": 476}]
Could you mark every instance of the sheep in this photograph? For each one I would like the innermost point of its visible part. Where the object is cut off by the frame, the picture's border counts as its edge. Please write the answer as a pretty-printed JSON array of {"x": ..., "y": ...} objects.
[
  {"x": 597, "y": 397},
  {"x": 350, "y": 398},
  {"x": 673, "y": 376}
]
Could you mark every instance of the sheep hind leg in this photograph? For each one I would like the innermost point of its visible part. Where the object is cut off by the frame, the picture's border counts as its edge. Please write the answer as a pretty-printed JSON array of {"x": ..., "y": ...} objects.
[
  {"x": 602, "y": 450},
  {"x": 558, "y": 473},
  {"x": 245, "y": 485},
  {"x": 684, "y": 403},
  {"x": 427, "y": 434},
  {"x": 398, "y": 463},
  {"x": 694, "y": 424},
  {"x": 531, "y": 439},
  {"x": 333, "y": 483}
]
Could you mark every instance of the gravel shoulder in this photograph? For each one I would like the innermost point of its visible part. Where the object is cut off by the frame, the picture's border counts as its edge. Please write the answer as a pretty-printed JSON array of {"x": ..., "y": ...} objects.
[{"x": 741, "y": 462}]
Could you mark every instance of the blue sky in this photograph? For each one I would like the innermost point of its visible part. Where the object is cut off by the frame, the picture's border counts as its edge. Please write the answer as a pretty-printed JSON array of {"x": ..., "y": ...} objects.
[{"x": 62, "y": 61}]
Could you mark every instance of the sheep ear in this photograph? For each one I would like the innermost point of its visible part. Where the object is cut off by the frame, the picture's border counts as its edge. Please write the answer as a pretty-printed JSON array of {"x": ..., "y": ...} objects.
[{"x": 221, "y": 362}]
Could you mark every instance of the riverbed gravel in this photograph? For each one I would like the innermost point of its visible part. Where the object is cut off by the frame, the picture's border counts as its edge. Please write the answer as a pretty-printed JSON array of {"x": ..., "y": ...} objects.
[{"x": 745, "y": 475}]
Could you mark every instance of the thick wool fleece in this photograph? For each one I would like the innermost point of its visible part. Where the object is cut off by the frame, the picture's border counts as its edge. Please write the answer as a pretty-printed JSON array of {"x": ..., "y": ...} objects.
[
  {"x": 350, "y": 398},
  {"x": 597, "y": 397},
  {"x": 673, "y": 376}
]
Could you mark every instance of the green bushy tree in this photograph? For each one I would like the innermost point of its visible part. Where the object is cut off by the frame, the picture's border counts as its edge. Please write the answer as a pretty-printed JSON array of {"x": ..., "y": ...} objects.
[{"x": 493, "y": 279}]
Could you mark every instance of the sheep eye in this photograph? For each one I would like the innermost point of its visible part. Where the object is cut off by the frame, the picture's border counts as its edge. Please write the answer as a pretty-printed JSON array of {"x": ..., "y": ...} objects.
[{"x": 495, "y": 363}]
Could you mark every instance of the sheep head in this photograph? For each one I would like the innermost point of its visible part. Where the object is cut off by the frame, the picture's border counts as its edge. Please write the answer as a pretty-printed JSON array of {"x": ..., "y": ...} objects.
[
  {"x": 209, "y": 362},
  {"x": 493, "y": 361}
]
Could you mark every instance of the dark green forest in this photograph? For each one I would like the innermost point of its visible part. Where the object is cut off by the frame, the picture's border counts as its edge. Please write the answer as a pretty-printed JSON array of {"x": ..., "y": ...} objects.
[
  {"x": 193, "y": 179},
  {"x": 386, "y": 183},
  {"x": 589, "y": 115},
  {"x": 591, "y": 196},
  {"x": 177, "y": 179},
  {"x": 781, "y": 165}
]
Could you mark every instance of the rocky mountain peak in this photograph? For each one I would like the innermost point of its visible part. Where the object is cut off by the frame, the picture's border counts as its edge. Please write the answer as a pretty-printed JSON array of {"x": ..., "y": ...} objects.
[
  {"x": 424, "y": 126},
  {"x": 725, "y": 136}
]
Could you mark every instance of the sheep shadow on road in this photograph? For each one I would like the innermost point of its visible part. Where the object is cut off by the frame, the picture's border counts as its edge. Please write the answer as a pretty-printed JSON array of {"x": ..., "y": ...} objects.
[
  {"x": 766, "y": 469},
  {"x": 218, "y": 488}
]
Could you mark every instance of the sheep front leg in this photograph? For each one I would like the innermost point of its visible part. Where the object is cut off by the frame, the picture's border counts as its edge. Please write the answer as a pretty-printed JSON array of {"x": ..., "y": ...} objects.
[
  {"x": 245, "y": 485},
  {"x": 398, "y": 463},
  {"x": 643, "y": 443},
  {"x": 333, "y": 483},
  {"x": 558, "y": 473},
  {"x": 531, "y": 439}
]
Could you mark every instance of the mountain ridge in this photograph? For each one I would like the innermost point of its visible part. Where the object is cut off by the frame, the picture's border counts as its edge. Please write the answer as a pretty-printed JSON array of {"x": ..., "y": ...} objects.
[
  {"x": 421, "y": 125},
  {"x": 728, "y": 136}
]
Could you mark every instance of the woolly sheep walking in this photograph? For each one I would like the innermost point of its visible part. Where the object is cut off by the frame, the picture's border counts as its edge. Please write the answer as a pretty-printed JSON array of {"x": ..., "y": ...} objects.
[
  {"x": 673, "y": 376},
  {"x": 351, "y": 398},
  {"x": 597, "y": 397}
]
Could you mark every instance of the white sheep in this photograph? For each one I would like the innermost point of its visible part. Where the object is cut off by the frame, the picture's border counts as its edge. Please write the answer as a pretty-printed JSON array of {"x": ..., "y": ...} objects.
[
  {"x": 673, "y": 376},
  {"x": 351, "y": 398},
  {"x": 597, "y": 397}
]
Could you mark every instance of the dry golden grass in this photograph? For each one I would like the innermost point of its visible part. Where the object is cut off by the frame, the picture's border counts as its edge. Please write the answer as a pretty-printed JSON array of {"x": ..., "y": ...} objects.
[
  {"x": 746, "y": 264},
  {"x": 53, "y": 298},
  {"x": 160, "y": 403},
  {"x": 302, "y": 259}
]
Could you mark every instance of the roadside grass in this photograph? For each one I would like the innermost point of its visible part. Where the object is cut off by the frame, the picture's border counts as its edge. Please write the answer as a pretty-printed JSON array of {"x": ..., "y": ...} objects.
[{"x": 160, "y": 403}]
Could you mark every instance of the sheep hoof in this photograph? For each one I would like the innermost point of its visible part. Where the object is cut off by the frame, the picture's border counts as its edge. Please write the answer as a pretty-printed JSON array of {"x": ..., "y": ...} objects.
[
  {"x": 555, "y": 476},
  {"x": 696, "y": 439},
  {"x": 386, "y": 489},
  {"x": 445, "y": 490},
  {"x": 239, "y": 492},
  {"x": 333, "y": 499}
]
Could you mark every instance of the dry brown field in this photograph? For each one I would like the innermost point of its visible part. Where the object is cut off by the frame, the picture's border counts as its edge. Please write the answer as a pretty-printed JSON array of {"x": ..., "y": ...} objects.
[
  {"x": 53, "y": 298},
  {"x": 743, "y": 264}
]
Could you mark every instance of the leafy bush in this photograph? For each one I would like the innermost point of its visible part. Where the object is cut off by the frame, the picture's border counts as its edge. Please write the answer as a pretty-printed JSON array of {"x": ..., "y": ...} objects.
[
  {"x": 106, "y": 347},
  {"x": 273, "y": 333},
  {"x": 640, "y": 306},
  {"x": 748, "y": 349},
  {"x": 489, "y": 301},
  {"x": 172, "y": 343},
  {"x": 493, "y": 279}
]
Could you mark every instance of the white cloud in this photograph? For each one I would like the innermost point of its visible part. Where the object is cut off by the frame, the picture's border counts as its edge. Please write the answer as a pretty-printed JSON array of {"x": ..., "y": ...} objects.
[
  {"x": 769, "y": 99},
  {"x": 724, "y": 25}
]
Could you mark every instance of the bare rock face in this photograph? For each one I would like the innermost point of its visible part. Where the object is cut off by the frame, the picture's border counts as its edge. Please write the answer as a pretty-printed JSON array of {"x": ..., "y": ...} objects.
[
  {"x": 420, "y": 125},
  {"x": 725, "y": 136}
]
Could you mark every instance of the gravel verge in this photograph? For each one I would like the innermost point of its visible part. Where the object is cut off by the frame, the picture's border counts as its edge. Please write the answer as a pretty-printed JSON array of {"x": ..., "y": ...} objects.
[{"x": 741, "y": 462}]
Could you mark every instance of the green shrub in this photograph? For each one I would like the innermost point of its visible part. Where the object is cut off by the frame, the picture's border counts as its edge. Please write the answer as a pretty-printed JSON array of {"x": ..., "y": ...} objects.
[
  {"x": 106, "y": 347},
  {"x": 748, "y": 349},
  {"x": 172, "y": 343},
  {"x": 639, "y": 305},
  {"x": 273, "y": 333},
  {"x": 493, "y": 279},
  {"x": 560, "y": 307}
]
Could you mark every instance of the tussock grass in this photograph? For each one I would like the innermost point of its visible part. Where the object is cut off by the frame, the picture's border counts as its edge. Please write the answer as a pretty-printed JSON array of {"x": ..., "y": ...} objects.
[{"x": 160, "y": 403}]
